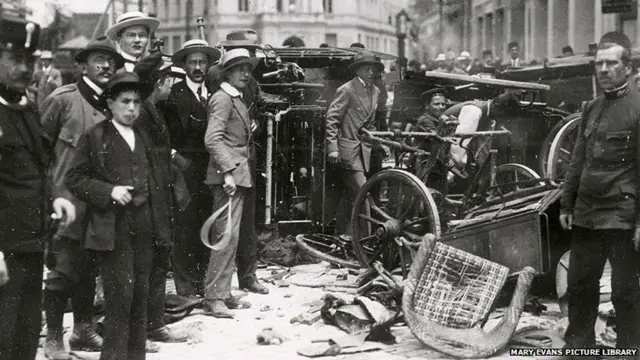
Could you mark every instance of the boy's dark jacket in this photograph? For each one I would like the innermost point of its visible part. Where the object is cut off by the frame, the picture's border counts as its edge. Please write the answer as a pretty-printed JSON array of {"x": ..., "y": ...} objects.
[{"x": 90, "y": 181}]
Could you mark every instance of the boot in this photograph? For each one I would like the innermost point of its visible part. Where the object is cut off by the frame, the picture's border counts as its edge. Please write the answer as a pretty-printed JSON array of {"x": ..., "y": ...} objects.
[
  {"x": 84, "y": 338},
  {"x": 54, "y": 346}
]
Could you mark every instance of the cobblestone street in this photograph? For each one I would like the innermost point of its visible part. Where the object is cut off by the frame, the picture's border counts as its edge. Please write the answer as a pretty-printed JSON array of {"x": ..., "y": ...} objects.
[{"x": 236, "y": 338}]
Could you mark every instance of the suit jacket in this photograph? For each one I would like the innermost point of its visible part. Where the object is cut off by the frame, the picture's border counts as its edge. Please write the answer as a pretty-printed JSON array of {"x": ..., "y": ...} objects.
[
  {"x": 178, "y": 113},
  {"x": 46, "y": 83},
  {"x": 65, "y": 116},
  {"x": 228, "y": 139},
  {"x": 351, "y": 109},
  {"x": 24, "y": 185},
  {"x": 91, "y": 181}
]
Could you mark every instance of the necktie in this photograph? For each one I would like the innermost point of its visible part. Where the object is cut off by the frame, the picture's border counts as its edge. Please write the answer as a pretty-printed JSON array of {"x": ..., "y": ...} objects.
[{"x": 203, "y": 99}]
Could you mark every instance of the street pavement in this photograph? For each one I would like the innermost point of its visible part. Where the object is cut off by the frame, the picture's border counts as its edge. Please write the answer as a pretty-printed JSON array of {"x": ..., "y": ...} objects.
[{"x": 213, "y": 338}]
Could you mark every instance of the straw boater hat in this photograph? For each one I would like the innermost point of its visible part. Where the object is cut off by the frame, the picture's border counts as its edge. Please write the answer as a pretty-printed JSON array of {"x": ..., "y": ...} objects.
[
  {"x": 237, "y": 57},
  {"x": 101, "y": 44},
  {"x": 241, "y": 38},
  {"x": 46, "y": 55},
  {"x": 441, "y": 57},
  {"x": 464, "y": 56},
  {"x": 195, "y": 46},
  {"x": 129, "y": 19},
  {"x": 364, "y": 58}
]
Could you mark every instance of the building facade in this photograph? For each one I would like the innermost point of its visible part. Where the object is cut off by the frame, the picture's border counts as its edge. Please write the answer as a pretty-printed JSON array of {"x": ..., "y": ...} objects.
[
  {"x": 541, "y": 27},
  {"x": 335, "y": 22}
]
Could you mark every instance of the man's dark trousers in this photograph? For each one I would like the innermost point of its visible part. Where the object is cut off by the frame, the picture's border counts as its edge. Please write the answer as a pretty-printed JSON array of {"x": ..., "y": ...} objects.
[
  {"x": 125, "y": 272},
  {"x": 20, "y": 302},
  {"x": 589, "y": 251},
  {"x": 157, "y": 289},
  {"x": 247, "y": 254},
  {"x": 190, "y": 256}
]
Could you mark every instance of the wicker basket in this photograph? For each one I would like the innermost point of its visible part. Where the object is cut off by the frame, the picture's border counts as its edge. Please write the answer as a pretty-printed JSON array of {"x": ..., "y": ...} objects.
[{"x": 449, "y": 293}]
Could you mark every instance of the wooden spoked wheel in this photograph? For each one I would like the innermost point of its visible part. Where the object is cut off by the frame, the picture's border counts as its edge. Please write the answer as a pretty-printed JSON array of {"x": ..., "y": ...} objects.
[
  {"x": 510, "y": 177},
  {"x": 548, "y": 141},
  {"x": 561, "y": 149},
  {"x": 391, "y": 213}
]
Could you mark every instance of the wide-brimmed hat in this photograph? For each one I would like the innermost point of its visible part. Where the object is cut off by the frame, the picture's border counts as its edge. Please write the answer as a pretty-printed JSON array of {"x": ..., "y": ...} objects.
[
  {"x": 441, "y": 57},
  {"x": 241, "y": 38},
  {"x": 429, "y": 94},
  {"x": 100, "y": 44},
  {"x": 237, "y": 57},
  {"x": 195, "y": 46},
  {"x": 46, "y": 55},
  {"x": 120, "y": 79},
  {"x": 129, "y": 19},
  {"x": 366, "y": 58}
]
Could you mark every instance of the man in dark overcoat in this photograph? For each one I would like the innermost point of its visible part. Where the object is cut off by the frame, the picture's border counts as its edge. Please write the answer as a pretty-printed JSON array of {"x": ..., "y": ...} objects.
[
  {"x": 118, "y": 174},
  {"x": 25, "y": 194},
  {"x": 66, "y": 114},
  {"x": 601, "y": 201},
  {"x": 186, "y": 115}
]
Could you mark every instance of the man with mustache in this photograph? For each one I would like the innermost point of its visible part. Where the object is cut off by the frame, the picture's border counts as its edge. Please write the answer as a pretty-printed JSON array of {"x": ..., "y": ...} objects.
[
  {"x": 601, "y": 201},
  {"x": 186, "y": 114},
  {"x": 24, "y": 194},
  {"x": 66, "y": 114}
]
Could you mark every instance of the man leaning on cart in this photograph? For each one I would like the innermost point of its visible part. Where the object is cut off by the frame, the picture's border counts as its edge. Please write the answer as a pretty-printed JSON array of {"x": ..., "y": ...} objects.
[{"x": 600, "y": 201}]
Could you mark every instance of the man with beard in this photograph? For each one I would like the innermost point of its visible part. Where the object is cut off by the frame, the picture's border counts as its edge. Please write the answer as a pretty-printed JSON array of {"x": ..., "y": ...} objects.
[
  {"x": 24, "y": 194},
  {"x": 600, "y": 201},
  {"x": 187, "y": 119},
  {"x": 66, "y": 114}
]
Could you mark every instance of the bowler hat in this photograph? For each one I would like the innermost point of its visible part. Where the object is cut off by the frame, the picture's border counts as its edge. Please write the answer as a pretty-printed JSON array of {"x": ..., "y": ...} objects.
[
  {"x": 237, "y": 57},
  {"x": 129, "y": 19},
  {"x": 487, "y": 53},
  {"x": 18, "y": 35},
  {"x": 122, "y": 80},
  {"x": 241, "y": 38},
  {"x": 366, "y": 58},
  {"x": 567, "y": 48},
  {"x": 100, "y": 44},
  {"x": 195, "y": 46}
]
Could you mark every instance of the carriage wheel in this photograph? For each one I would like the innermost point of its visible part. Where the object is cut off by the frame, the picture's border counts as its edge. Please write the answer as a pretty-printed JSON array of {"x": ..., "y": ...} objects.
[
  {"x": 508, "y": 175},
  {"x": 546, "y": 146},
  {"x": 561, "y": 150},
  {"x": 392, "y": 212}
]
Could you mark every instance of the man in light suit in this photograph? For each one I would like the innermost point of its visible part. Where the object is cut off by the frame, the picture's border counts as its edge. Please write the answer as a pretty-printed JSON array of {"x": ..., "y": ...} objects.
[
  {"x": 353, "y": 107},
  {"x": 47, "y": 78}
]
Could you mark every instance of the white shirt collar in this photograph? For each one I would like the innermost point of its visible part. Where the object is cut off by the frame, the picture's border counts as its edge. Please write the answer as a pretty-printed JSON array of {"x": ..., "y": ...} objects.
[
  {"x": 362, "y": 81},
  {"x": 92, "y": 85},
  {"x": 127, "y": 134},
  {"x": 128, "y": 57},
  {"x": 229, "y": 89},
  {"x": 46, "y": 69},
  {"x": 194, "y": 86}
]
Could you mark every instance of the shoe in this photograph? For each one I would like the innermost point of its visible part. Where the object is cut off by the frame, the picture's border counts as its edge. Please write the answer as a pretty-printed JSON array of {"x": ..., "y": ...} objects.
[
  {"x": 84, "y": 338},
  {"x": 151, "y": 347},
  {"x": 254, "y": 286},
  {"x": 217, "y": 308},
  {"x": 165, "y": 335},
  {"x": 236, "y": 304},
  {"x": 54, "y": 346}
]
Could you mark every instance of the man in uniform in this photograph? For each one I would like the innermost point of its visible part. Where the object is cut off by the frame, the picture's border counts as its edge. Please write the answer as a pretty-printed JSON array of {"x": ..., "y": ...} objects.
[
  {"x": 600, "y": 201},
  {"x": 186, "y": 114},
  {"x": 24, "y": 194},
  {"x": 66, "y": 114},
  {"x": 247, "y": 255},
  {"x": 353, "y": 107},
  {"x": 47, "y": 78}
]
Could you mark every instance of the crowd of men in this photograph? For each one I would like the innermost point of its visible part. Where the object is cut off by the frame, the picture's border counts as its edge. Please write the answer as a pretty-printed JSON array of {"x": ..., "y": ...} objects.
[{"x": 133, "y": 160}]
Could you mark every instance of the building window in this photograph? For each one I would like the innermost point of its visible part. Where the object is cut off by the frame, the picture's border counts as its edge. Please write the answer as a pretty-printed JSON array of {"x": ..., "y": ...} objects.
[
  {"x": 384, "y": 44},
  {"x": 176, "y": 43},
  {"x": 331, "y": 39},
  {"x": 390, "y": 20},
  {"x": 328, "y": 6},
  {"x": 243, "y": 5},
  {"x": 279, "y": 5}
]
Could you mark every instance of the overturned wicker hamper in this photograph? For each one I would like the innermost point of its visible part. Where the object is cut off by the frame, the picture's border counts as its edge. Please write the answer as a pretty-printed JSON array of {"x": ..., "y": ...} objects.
[{"x": 449, "y": 294}]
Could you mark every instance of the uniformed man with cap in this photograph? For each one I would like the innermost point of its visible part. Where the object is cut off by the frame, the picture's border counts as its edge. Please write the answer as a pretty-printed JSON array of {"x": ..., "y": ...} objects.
[
  {"x": 353, "y": 107},
  {"x": 247, "y": 256},
  {"x": 186, "y": 114},
  {"x": 601, "y": 201},
  {"x": 66, "y": 114},
  {"x": 25, "y": 195}
]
